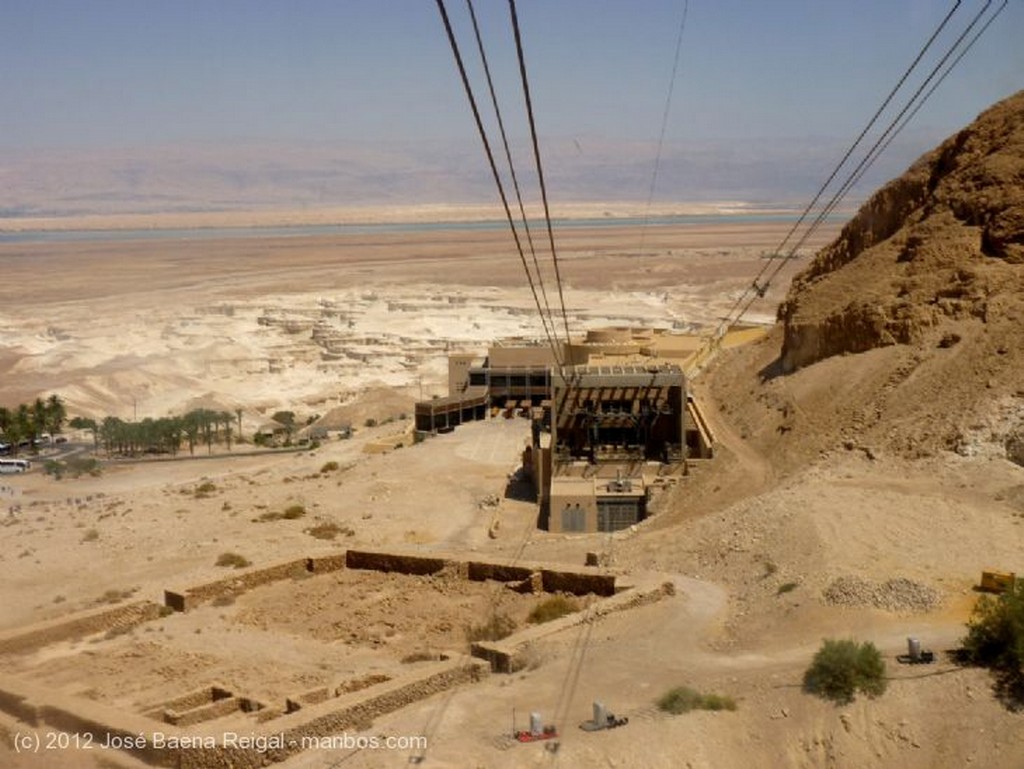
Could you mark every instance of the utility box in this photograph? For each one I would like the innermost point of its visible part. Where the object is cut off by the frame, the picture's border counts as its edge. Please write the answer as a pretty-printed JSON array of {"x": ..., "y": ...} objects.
[{"x": 997, "y": 581}]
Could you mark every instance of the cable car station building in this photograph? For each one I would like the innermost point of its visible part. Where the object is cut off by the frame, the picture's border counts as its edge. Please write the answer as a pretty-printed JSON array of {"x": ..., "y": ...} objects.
[
  {"x": 617, "y": 432},
  {"x": 606, "y": 431}
]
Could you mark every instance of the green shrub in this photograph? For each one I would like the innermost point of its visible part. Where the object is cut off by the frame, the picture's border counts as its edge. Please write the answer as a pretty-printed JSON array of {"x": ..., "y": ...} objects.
[
  {"x": 842, "y": 668},
  {"x": 329, "y": 530},
  {"x": 54, "y": 468},
  {"x": 787, "y": 587},
  {"x": 683, "y": 699},
  {"x": 204, "y": 490},
  {"x": 116, "y": 596},
  {"x": 233, "y": 559},
  {"x": 293, "y": 511},
  {"x": 552, "y": 608},
  {"x": 329, "y": 467},
  {"x": 420, "y": 656},
  {"x": 494, "y": 629},
  {"x": 995, "y": 639},
  {"x": 76, "y": 467},
  {"x": 290, "y": 513},
  {"x": 90, "y": 536}
]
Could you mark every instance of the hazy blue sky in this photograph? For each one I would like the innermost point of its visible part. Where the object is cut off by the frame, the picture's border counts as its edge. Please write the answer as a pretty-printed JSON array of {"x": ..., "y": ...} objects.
[{"x": 135, "y": 72}]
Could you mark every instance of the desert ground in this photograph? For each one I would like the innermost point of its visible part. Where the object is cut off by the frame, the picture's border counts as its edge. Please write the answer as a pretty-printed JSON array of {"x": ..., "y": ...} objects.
[{"x": 768, "y": 553}]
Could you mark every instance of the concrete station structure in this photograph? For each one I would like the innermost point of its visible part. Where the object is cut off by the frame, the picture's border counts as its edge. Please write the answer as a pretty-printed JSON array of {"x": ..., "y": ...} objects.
[{"x": 610, "y": 425}]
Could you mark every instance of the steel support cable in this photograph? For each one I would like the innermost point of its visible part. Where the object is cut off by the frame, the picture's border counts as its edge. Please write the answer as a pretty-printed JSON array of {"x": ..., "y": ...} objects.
[
  {"x": 589, "y": 621},
  {"x": 586, "y": 631},
  {"x": 887, "y": 137},
  {"x": 511, "y": 166},
  {"x": 760, "y": 289},
  {"x": 664, "y": 124},
  {"x": 571, "y": 674},
  {"x": 942, "y": 77},
  {"x": 576, "y": 660},
  {"x": 540, "y": 169},
  {"x": 871, "y": 122},
  {"x": 437, "y": 715},
  {"x": 891, "y": 131},
  {"x": 494, "y": 171}
]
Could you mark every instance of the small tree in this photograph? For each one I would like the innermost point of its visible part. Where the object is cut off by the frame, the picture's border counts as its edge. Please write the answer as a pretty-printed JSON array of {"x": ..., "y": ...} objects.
[
  {"x": 842, "y": 668},
  {"x": 995, "y": 639},
  {"x": 287, "y": 418}
]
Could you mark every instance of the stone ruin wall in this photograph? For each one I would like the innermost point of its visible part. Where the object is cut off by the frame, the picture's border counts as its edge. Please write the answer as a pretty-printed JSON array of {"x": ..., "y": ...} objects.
[
  {"x": 75, "y": 715},
  {"x": 43, "y": 634},
  {"x": 312, "y": 714},
  {"x": 186, "y": 600}
]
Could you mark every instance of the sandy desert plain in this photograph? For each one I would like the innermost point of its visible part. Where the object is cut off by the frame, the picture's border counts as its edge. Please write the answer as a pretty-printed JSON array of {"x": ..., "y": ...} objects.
[{"x": 757, "y": 547}]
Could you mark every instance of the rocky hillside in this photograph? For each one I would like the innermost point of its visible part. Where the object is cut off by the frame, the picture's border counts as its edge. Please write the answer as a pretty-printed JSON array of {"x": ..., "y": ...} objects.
[
  {"x": 944, "y": 242},
  {"x": 907, "y": 332}
]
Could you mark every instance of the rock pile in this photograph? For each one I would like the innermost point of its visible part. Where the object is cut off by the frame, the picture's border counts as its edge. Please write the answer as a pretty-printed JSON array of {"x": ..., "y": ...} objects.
[{"x": 895, "y": 595}]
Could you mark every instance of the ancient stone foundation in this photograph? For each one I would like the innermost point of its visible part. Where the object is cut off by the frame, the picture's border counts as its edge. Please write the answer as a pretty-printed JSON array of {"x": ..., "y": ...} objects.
[{"x": 189, "y": 731}]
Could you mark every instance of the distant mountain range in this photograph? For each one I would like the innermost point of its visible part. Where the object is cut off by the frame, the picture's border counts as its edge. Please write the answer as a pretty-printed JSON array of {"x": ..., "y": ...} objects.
[{"x": 271, "y": 175}]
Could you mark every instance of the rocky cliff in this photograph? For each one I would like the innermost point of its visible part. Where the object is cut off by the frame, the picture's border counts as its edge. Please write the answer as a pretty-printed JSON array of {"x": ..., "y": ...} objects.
[
  {"x": 944, "y": 242},
  {"x": 906, "y": 334}
]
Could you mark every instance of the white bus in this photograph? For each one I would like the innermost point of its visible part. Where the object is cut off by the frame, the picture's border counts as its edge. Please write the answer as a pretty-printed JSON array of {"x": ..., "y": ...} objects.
[{"x": 14, "y": 465}]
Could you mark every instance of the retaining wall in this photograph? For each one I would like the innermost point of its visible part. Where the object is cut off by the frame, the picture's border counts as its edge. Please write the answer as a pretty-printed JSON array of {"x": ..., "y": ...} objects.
[
  {"x": 502, "y": 572},
  {"x": 578, "y": 583},
  {"x": 347, "y": 713},
  {"x": 95, "y": 621},
  {"x": 312, "y": 714},
  {"x": 19, "y": 706},
  {"x": 211, "y": 710},
  {"x": 186, "y": 600},
  {"x": 506, "y": 655},
  {"x": 552, "y": 581},
  {"x": 324, "y": 563},
  {"x": 344, "y": 714},
  {"x": 401, "y": 563}
]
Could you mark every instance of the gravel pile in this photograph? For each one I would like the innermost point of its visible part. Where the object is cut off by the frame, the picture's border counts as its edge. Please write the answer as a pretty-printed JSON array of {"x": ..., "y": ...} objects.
[{"x": 897, "y": 595}]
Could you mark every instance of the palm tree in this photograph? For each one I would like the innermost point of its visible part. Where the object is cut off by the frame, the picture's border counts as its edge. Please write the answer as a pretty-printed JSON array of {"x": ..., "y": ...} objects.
[
  {"x": 11, "y": 427},
  {"x": 208, "y": 422},
  {"x": 190, "y": 424},
  {"x": 112, "y": 432},
  {"x": 37, "y": 414},
  {"x": 22, "y": 425},
  {"x": 228, "y": 420},
  {"x": 173, "y": 429},
  {"x": 56, "y": 414}
]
